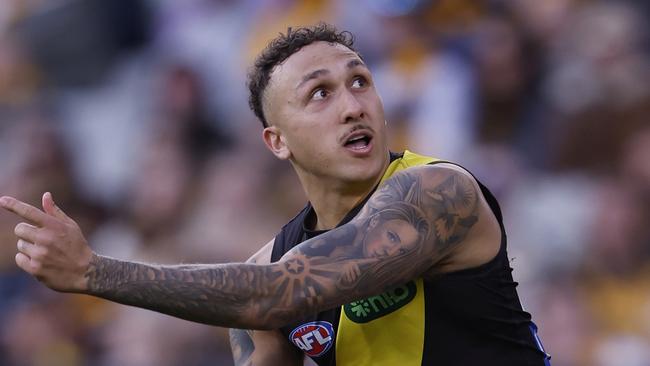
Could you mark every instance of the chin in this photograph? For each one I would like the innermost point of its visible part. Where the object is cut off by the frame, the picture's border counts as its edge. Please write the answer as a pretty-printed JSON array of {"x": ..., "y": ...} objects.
[{"x": 365, "y": 171}]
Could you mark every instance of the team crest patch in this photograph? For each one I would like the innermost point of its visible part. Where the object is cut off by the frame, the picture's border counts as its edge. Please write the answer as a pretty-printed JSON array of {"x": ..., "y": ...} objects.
[
  {"x": 314, "y": 338},
  {"x": 374, "y": 307}
]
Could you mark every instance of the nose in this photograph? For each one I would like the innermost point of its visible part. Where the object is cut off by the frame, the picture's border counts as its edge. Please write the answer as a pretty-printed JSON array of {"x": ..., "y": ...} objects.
[{"x": 351, "y": 109}]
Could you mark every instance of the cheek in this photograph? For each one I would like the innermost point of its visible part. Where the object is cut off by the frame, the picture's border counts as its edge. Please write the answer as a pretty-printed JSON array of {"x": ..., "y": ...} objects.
[
  {"x": 312, "y": 142},
  {"x": 407, "y": 234},
  {"x": 379, "y": 108},
  {"x": 372, "y": 241},
  {"x": 374, "y": 104},
  {"x": 410, "y": 239}
]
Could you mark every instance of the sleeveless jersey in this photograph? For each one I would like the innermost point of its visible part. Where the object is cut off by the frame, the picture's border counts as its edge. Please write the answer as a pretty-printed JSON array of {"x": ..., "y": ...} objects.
[{"x": 468, "y": 317}]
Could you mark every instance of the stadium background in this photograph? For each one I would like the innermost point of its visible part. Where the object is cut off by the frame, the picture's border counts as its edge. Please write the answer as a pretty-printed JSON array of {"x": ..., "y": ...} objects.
[{"x": 134, "y": 114}]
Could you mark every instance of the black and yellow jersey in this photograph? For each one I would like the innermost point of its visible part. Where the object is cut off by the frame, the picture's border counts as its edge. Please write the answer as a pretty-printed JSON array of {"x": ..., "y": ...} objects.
[{"x": 469, "y": 317}]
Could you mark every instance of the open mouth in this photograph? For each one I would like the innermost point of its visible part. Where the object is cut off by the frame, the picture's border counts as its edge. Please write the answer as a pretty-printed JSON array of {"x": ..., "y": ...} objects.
[{"x": 358, "y": 141}]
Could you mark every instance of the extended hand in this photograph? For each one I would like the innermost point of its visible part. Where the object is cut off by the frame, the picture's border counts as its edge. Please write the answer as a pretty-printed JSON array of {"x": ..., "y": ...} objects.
[{"x": 51, "y": 246}]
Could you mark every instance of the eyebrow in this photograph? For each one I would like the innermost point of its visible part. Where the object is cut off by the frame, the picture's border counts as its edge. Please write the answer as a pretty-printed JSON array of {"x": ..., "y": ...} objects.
[
  {"x": 320, "y": 72},
  {"x": 354, "y": 63},
  {"x": 312, "y": 75}
]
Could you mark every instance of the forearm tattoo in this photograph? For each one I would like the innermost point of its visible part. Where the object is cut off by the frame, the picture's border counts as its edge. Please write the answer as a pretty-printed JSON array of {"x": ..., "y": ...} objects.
[
  {"x": 242, "y": 346},
  {"x": 408, "y": 227}
]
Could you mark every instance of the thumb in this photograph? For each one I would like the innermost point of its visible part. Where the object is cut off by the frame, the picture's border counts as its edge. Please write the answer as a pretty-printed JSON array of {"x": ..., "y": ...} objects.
[{"x": 51, "y": 208}]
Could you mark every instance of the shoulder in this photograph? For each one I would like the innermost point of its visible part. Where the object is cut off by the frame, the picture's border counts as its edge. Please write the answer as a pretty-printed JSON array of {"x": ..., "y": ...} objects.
[
  {"x": 419, "y": 184},
  {"x": 440, "y": 171}
]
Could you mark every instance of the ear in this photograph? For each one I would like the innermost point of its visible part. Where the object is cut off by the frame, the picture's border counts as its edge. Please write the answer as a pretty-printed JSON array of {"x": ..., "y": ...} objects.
[{"x": 275, "y": 142}]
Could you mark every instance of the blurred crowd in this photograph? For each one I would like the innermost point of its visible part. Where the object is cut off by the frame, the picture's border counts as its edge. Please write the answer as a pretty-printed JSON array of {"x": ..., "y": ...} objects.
[{"x": 134, "y": 115}]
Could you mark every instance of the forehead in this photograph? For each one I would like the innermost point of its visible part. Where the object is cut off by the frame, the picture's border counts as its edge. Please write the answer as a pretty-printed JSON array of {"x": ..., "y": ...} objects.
[{"x": 318, "y": 55}]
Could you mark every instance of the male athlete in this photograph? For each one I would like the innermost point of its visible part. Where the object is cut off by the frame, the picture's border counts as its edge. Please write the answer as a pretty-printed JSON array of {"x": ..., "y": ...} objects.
[{"x": 398, "y": 259}]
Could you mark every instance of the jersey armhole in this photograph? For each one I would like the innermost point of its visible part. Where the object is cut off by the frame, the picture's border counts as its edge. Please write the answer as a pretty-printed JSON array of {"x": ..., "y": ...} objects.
[{"x": 277, "y": 251}]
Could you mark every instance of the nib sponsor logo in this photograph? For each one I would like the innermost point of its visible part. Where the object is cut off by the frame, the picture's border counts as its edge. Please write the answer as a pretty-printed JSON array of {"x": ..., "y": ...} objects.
[
  {"x": 374, "y": 307},
  {"x": 314, "y": 338}
]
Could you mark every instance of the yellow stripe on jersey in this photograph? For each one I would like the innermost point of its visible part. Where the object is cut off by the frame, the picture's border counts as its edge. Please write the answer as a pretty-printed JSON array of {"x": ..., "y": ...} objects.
[
  {"x": 386, "y": 329},
  {"x": 408, "y": 160}
]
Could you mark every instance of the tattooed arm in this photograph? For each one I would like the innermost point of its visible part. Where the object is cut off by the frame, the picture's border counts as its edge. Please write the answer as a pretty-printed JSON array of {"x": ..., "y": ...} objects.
[{"x": 421, "y": 221}]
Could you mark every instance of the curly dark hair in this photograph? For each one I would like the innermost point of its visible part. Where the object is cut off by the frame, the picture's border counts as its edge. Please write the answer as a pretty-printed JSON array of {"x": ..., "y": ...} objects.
[{"x": 279, "y": 49}]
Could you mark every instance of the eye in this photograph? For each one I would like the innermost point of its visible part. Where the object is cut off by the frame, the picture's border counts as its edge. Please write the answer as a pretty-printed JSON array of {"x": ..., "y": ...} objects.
[
  {"x": 319, "y": 94},
  {"x": 394, "y": 238},
  {"x": 359, "y": 82}
]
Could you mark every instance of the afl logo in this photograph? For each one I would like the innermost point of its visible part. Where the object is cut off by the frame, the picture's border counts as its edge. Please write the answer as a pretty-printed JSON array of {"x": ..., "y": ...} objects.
[{"x": 314, "y": 338}]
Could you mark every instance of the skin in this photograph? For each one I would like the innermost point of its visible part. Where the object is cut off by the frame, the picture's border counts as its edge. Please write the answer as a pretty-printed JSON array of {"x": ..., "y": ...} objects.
[
  {"x": 421, "y": 222},
  {"x": 383, "y": 240},
  {"x": 310, "y": 117}
]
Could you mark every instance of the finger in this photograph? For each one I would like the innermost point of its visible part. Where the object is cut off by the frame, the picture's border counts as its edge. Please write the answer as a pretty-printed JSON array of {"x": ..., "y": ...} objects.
[
  {"x": 26, "y": 231},
  {"x": 27, "y": 212},
  {"x": 27, "y": 248},
  {"x": 22, "y": 260},
  {"x": 51, "y": 208}
]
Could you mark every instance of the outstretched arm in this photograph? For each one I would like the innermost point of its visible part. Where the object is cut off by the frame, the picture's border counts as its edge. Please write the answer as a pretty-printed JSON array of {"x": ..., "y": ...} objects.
[{"x": 412, "y": 225}]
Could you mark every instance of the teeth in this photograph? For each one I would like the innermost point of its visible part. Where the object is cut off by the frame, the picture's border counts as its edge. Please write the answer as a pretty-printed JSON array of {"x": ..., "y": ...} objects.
[{"x": 356, "y": 138}]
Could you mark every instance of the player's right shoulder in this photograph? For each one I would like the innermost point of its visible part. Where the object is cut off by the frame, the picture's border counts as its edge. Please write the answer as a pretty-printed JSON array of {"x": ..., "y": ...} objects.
[{"x": 263, "y": 256}]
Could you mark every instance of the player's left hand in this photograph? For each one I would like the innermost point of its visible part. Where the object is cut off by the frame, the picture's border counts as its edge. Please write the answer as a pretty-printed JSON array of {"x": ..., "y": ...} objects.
[{"x": 50, "y": 245}]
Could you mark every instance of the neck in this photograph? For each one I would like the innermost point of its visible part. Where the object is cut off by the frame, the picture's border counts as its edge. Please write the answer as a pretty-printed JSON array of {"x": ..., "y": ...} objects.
[
  {"x": 331, "y": 206},
  {"x": 332, "y": 199}
]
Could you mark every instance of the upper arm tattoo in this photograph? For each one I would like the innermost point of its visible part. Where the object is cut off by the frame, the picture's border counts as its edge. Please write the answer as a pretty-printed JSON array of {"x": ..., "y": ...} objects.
[{"x": 409, "y": 226}]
